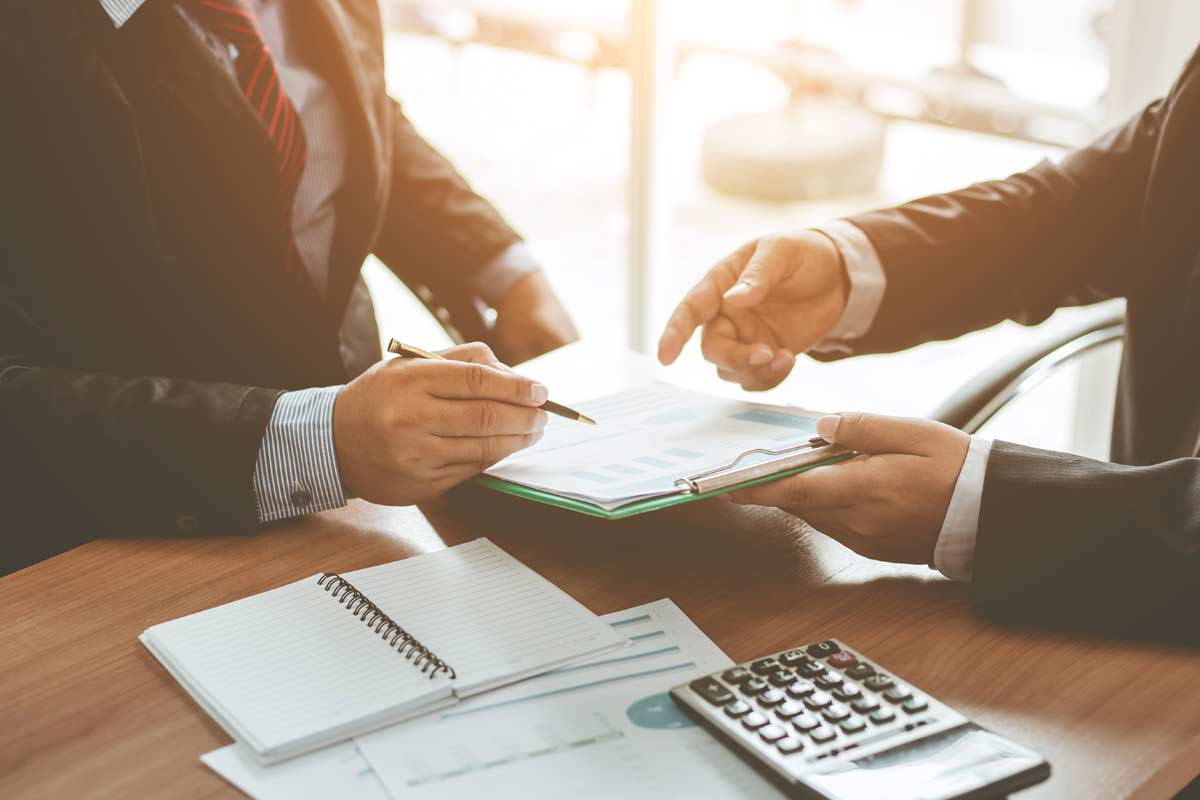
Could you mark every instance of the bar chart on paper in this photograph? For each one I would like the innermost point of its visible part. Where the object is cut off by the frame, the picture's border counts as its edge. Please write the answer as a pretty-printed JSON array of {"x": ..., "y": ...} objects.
[
  {"x": 647, "y": 439},
  {"x": 604, "y": 728}
]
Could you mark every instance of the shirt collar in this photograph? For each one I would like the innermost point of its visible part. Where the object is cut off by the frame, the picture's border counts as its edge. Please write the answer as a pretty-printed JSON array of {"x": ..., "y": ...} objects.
[{"x": 119, "y": 11}]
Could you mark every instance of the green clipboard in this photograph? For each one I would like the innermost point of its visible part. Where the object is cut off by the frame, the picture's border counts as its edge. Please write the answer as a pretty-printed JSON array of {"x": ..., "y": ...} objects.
[{"x": 696, "y": 491}]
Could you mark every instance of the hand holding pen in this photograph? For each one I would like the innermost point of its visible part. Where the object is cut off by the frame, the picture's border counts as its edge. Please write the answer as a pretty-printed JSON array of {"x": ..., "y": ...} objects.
[
  {"x": 411, "y": 351},
  {"x": 408, "y": 429}
]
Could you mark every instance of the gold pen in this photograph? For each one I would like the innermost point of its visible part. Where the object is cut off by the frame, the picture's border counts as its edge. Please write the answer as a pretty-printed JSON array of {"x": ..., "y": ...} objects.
[{"x": 411, "y": 351}]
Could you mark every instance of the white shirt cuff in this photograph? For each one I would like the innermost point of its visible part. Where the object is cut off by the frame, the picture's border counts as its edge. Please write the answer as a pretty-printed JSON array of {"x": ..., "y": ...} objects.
[
  {"x": 297, "y": 469},
  {"x": 954, "y": 553},
  {"x": 502, "y": 273},
  {"x": 867, "y": 285}
]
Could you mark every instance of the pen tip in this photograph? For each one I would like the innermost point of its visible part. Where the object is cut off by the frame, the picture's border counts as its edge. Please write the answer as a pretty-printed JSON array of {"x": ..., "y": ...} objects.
[{"x": 587, "y": 419}]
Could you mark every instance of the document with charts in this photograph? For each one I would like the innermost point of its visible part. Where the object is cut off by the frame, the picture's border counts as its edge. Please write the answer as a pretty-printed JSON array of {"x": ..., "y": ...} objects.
[
  {"x": 650, "y": 440},
  {"x": 603, "y": 726}
]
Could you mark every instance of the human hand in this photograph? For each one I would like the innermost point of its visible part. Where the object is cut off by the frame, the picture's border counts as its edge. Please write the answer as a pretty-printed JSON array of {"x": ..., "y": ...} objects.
[
  {"x": 530, "y": 320},
  {"x": 759, "y": 307},
  {"x": 408, "y": 429},
  {"x": 887, "y": 504}
]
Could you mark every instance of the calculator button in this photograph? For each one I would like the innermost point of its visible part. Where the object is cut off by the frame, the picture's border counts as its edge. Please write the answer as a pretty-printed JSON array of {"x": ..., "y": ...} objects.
[
  {"x": 823, "y": 734},
  {"x": 711, "y": 690},
  {"x": 897, "y": 694},
  {"x": 789, "y": 744},
  {"x": 915, "y": 704},
  {"x": 859, "y": 671},
  {"x": 771, "y": 697},
  {"x": 817, "y": 700},
  {"x": 853, "y": 725},
  {"x": 829, "y": 680},
  {"x": 806, "y": 722},
  {"x": 823, "y": 649},
  {"x": 865, "y": 705},
  {"x": 877, "y": 683},
  {"x": 792, "y": 658},
  {"x": 836, "y": 712},
  {"x": 738, "y": 709},
  {"x": 882, "y": 716},
  {"x": 780, "y": 677},
  {"x": 737, "y": 675},
  {"x": 801, "y": 689},
  {"x": 789, "y": 709},
  {"x": 847, "y": 691},
  {"x": 754, "y": 686},
  {"x": 810, "y": 669},
  {"x": 841, "y": 660},
  {"x": 764, "y": 665},
  {"x": 754, "y": 720},
  {"x": 772, "y": 733}
]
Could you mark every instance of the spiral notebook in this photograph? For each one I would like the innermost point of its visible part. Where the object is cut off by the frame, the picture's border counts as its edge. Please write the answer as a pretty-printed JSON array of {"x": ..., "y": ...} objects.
[{"x": 331, "y": 656}]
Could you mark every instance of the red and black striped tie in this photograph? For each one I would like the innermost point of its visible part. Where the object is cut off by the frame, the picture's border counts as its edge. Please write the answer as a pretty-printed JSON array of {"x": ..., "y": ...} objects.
[{"x": 237, "y": 22}]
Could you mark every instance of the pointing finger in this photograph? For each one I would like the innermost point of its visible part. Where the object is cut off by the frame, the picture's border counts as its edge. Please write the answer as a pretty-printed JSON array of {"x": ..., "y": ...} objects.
[{"x": 701, "y": 304}]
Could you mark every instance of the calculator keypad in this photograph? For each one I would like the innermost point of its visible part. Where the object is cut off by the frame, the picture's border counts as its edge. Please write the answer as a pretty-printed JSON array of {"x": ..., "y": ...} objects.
[{"x": 814, "y": 702}]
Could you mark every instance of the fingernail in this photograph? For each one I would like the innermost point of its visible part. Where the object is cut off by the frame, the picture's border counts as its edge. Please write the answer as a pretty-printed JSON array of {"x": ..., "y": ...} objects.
[
  {"x": 760, "y": 357},
  {"x": 737, "y": 289},
  {"x": 827, "y": 427},
  {"x": 538, "y": 393},
  {"x": 542, "y": 419},
  {"x": 782, "y": 362},
  {"x": 537, "y": 437}
]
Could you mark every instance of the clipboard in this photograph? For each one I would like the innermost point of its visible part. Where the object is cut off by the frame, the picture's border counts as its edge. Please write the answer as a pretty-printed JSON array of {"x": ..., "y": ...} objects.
[{"x": 781, "y": 463}]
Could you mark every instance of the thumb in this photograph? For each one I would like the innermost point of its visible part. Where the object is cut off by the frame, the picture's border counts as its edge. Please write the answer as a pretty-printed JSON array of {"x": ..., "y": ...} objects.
[
  {"x": 754, "y": 284},
  {"x": 872, "y": 433}
]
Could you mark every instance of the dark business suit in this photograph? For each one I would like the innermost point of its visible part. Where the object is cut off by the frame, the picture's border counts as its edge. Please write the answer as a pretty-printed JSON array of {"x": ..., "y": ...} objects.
[
  {"x": 1065, "y": 541},
  {"x": 147, "y": 319}
]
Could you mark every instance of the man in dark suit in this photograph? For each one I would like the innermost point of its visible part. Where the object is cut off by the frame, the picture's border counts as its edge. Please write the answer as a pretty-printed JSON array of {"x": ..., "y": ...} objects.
[
  {"x": 1044, "y": 538},
  {"x": 188, "y": 191}
]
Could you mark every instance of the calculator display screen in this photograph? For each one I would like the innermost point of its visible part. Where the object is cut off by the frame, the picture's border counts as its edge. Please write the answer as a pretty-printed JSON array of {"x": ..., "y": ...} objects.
[{"x": 952, "y": 764}]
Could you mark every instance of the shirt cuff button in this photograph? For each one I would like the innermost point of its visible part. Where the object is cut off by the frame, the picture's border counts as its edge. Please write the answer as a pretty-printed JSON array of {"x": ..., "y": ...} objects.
[{"x": 301, "y": 497}]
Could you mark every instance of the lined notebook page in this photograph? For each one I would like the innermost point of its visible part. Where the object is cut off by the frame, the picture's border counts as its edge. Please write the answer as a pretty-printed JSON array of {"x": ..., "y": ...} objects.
[
  {"x": 288, "y": 664},
  {"x": 484, "y": 613}
]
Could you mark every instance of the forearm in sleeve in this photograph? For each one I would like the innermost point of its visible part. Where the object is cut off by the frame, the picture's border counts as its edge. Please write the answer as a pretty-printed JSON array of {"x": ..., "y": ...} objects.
[
  {"x": 1056, "y": 235},
  {"x": 91, "y": 455},
  {"x": 1071, "y": 543}
]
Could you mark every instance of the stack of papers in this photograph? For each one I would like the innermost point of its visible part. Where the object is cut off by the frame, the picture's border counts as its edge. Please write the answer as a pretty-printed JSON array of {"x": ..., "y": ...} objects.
[
  {"x": 601, "y": 728},
  {"x": 648, "y": 438}
]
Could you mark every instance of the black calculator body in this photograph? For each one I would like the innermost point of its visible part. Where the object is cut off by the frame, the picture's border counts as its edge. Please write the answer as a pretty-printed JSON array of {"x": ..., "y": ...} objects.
[{"x": 823, "y": 721}]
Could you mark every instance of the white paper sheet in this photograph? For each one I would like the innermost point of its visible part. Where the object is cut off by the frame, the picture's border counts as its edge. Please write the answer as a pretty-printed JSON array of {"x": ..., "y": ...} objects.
[
  {"x": 607, "y": 729},
  {"x": 338, "y": 771},
  {"x": 665, "y": 644},
  {"x": 647, "y": 438}
]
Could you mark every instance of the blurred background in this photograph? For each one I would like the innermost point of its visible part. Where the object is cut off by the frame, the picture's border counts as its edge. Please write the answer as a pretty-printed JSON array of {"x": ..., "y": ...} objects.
[{"x": 634, "y": 142}]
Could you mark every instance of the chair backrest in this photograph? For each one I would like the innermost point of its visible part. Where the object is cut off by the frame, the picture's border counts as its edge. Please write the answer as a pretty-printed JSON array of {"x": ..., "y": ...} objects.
[{"x": 982, "y": 397}]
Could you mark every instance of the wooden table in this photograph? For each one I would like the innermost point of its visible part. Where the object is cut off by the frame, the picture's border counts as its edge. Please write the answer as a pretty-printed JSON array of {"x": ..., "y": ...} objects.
[{"x": 85, "y": 710}]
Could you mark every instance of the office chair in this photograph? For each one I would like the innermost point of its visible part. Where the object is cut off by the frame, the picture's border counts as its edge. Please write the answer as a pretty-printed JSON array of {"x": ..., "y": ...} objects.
[{"x": 981, "y": 398}]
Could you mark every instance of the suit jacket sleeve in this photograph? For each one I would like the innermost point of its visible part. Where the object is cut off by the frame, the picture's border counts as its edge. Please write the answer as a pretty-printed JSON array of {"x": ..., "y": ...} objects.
[
  {"x": 87, "y": 454},
  {"x": 437, "y": 231},
  {"x": 1074, "y": 544},
  {"x": 1059, "y": 234}
]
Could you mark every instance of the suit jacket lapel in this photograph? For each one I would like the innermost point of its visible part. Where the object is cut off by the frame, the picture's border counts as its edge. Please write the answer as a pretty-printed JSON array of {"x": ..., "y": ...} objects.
[{"x": 158, "y": 53}]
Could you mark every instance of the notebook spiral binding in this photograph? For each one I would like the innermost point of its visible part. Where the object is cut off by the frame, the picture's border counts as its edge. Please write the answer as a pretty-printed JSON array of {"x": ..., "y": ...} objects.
[{"x": 408, "y": 646}]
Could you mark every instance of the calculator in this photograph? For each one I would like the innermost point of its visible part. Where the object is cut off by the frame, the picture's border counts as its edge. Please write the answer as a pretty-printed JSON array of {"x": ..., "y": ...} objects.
[{"x": 822, "y": 720}]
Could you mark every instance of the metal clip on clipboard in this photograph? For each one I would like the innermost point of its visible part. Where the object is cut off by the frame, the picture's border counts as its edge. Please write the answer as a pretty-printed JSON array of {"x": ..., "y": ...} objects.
[{"x": 727, "y": 475}]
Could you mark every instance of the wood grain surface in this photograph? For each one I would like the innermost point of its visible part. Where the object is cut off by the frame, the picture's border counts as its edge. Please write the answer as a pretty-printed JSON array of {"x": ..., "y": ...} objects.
[{"x": 86, "y": 711}]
